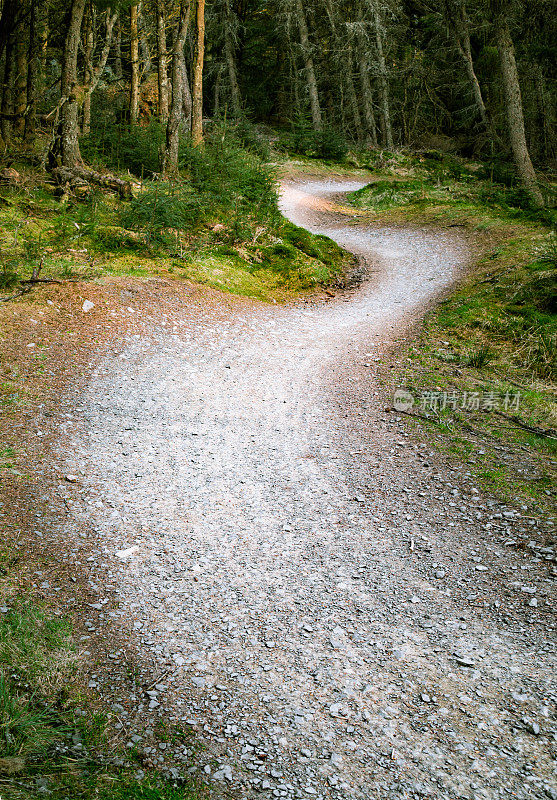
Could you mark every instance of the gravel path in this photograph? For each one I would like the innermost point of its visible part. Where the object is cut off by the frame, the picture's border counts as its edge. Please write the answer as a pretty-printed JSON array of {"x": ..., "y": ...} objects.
[{"x": 331, "y": 607}]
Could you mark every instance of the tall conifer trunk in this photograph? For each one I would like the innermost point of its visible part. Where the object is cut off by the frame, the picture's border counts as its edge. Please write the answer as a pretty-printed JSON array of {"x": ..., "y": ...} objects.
[
  {"x": 197, "y": 99},
  {"x": 64, "y": 150}
]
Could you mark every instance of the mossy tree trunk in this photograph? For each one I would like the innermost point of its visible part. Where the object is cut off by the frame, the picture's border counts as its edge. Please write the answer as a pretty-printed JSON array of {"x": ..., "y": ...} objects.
[
  {"x": 513, "y": 109},
  {"x": 170, "y": 158},
  {"x": 64, "y": 150}
]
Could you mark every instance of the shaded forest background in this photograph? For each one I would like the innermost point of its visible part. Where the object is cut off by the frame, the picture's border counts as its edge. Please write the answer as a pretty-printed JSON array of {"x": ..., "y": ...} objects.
[{"x": 476, "y": 78}]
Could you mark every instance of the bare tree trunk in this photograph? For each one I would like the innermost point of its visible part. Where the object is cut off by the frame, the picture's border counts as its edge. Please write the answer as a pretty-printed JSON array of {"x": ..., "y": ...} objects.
[
  {"x": 21, "y": 56},
  {"x": 170, "y": 159},
  {"x": 229, "y": 48},
  {"x": 295, "y": 80},
  {"x": 118, "y": 71},
  {"x": 353, "y": 98},
  {"x": 161, "y": 62},
  {"x": 6, "y": 118},
  {"x": 344, "y": 66},
  {"x": 186, "y": 93},
  {"x": 383, "y": 79},
  {"x": 95, "y": 72},
  {"x": 64, "y": 151},
  {"x": 513, "y": 109},
  {"x": 316, "y": 115},
  {"x": 134, "y": 59},
  {"x": 457, "y": 22},
  {"x": 143, "y": 44},
  {"x": 367, "y": 94},
  {"x": 216, "y": 92},
  {"x": 38, "y": 24},
  {"x": 197, "y": 100},
  {"x": 90, "y": 19}
]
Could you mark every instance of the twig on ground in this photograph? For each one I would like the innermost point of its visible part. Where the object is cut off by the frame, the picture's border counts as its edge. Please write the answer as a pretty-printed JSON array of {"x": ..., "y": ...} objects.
[{"x": 546, "y": 434}]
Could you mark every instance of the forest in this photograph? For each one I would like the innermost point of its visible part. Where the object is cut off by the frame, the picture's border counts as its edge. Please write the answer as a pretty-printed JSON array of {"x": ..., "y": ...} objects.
[{"x": 476, "y": 78}]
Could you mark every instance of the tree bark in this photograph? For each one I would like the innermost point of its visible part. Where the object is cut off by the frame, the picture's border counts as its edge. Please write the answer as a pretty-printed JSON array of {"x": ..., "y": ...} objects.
[
  {"x": 143, "y": 44},
  {"x": 90, "y": 19},
  {"x": 94, "y": 73},
  {"x": 513, "y": 110},
  {"x": 186, "y": 92},
  {"x": 383, "y": 78},
  {"x": 38, "y": 32},
  {"x": 367, "y": 93},
  {"x": 343, "y": 50},
  {"x": 229, "y": 48},
  {"x": 170, "y": 159},
  {"x": 197, "y": 100},
  {"x": 64, "y": 151},
  {"x": 118, "y": 71},
  {"x": 134, "y": 60},
  {"x": 457, "y": 23},
  {"x": 21, "y": 58},
  {"x": 6, "y": 119},
  {"x": 316, "y": 116},
  {"x": 162, "y": 68}
]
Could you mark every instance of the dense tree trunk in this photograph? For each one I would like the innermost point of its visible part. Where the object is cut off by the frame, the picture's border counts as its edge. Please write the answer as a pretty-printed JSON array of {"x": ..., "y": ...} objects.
[
  {"x": 383, "y": 77},
  {"x": 186, "y": 93},
  {"x": 229, "y": 48},
  {"x": 143, "y": 44},
  {"x": 118, "y": 71},
  {"x": 134, "y": 63},
  {"x": 316, "y": 116},
  {"x": 353, "y": 98},
  {"x": 457, "y": 23},
  {"x": 344, "y": 65},
  {"x": 38, "y": 33},
  {"x": 513, "y": 110},
  {"x": 94, "y": 73},
  {"x": 7, "y": 109},
  {"x": 162, "y": 69},
  {"x": 64, "y": 150},
  {"x": 170, "y": 160},
  {"x": 367, "y": 93},
  {"x": 21, "y": 58},
  {"x": 197, "y": 100},
  {"x": 90, "y": 19}
]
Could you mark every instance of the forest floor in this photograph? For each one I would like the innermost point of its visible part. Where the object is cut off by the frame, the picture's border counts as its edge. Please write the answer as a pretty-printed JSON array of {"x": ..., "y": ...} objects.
[{"x": 282, "y": 586}]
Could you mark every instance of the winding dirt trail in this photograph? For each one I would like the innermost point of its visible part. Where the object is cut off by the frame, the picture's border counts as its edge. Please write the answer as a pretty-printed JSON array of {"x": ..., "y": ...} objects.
[{"x": 326, "y": 602}]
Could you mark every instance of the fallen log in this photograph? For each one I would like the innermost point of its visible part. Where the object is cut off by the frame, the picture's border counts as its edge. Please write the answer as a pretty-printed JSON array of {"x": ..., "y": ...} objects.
[{"x": 72, "y": 178}]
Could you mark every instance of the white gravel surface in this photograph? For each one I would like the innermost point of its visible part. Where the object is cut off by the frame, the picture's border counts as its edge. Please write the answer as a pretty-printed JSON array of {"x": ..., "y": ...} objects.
[{"x": 330, "y": 607}]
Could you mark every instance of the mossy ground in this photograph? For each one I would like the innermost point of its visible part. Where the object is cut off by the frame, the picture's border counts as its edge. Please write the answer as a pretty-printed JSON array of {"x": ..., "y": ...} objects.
[
  {"x": 496, "y": 333},
  {"x": 102, "y": 236}
]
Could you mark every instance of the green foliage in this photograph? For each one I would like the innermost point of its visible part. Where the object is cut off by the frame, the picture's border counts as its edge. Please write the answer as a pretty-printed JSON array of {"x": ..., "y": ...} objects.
[
  {"x": 9, "y": 274},
  {"x": 328, "y": 144},
  {"x": 252, "y": 140},
  {"x": 160, "y": 207},
  {"x": 34, "y": 654},
  {"x": 223, "y": 181},
  {"x": 121, "y": 147},
  {"x": 482, "y": 356}
]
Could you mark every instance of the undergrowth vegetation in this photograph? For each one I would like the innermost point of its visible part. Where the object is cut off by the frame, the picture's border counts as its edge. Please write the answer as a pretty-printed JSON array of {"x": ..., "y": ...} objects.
[{"x": 217, "y": 224}]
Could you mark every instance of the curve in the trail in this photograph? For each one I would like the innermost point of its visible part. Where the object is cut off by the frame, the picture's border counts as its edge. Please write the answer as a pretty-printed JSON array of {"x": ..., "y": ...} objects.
[{"x": 219, "y": 456}]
